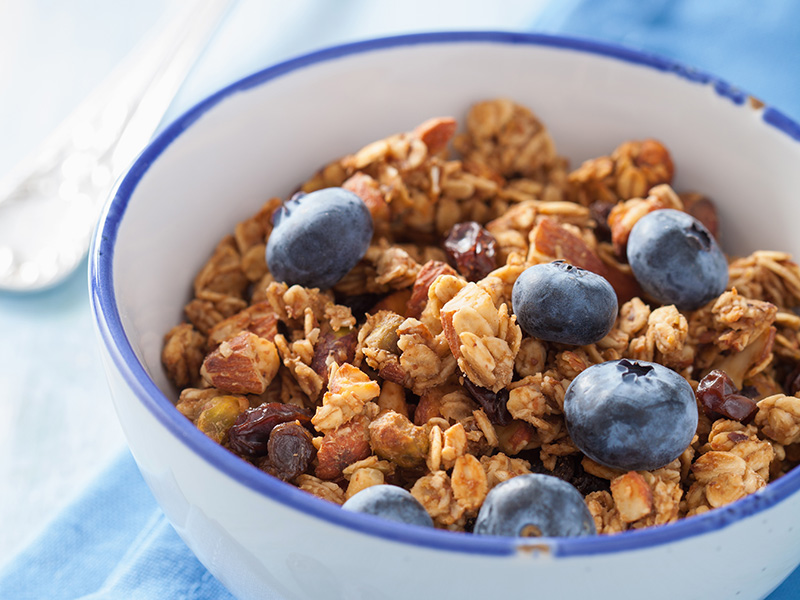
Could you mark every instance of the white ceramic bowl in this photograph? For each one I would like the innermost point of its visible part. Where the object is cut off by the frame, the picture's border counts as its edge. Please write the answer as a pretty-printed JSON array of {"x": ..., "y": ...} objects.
[{"x": 262, "y": 136}]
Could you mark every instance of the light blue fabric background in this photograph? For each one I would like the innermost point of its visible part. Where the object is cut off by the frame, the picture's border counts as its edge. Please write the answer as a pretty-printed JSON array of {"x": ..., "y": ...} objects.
[{"x": 112, "y": 541}]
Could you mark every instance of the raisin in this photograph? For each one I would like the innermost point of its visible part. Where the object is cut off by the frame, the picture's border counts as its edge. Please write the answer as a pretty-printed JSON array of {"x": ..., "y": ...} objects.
[
  {"x": 719, "y": 397},
  {"x": 600, "y": 211},
  {"x": 493, "y": 404},
  {"x": 250, "y": 433},
  {"x": 290, "y": 450},
  {"x": 333, "y": 346},
  {"x": 360, "y": 304},
  {"x": 473, "y": 250},
  {"x": 792, "y": 383},
  {"x": 570, "y": 469}
]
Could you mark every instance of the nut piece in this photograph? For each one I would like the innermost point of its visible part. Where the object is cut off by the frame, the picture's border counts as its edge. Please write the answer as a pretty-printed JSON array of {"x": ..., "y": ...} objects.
[
  {"x": 435, "y": 133},
  {"x": 258, "y": 318},
  {"x": 632, "y": 496},
  {"x": 551, "y": 240},
  {"x": 626, "y": 214},
  {"x": 343, "y": 446},
  {"x": 219, "y": 414},
  {"x": 516, "y": 437},
  {"x": 377, "y": 342},
  {"x": 349, "y": 390},
  {"x": 426, "y": 276},
  {"x": 393, "y": 437},
  {"x": 245, "y": 364},
  {"x": 485, "y": 340},
  {"x": 368, "y": 189}
]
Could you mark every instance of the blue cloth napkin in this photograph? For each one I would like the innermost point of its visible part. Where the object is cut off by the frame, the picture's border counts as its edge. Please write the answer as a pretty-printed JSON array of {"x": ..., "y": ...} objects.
[
  {"x": 115, "y": 543},
  {"x": 753, "y": 45}
]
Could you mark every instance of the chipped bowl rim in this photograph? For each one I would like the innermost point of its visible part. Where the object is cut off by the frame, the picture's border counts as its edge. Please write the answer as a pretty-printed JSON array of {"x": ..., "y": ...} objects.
[{"x": 111, "y": 331}]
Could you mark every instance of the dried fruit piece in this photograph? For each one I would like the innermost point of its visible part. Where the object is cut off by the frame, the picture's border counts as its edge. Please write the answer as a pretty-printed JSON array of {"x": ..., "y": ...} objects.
[
  {"x": 333, "y": 347},
  {"x": 719, "y": 397},
  {"x": 473, "y": 249},
  {"x": 250, "y": 434},
  {"x": 290, "y": 450},
  {"x": 493, "y": 404},
  {"x": 600, "y": 212}
]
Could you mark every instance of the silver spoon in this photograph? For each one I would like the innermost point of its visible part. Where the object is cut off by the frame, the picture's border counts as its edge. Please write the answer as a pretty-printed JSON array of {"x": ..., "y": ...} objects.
[{"x": 50, "y": 203}]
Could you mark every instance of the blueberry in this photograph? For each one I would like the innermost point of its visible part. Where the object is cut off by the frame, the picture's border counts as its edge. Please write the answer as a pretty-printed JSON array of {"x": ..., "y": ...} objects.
[
  {"x": 534, "y": 505},
  {"x": 630, "y": 415},
  {"x": 676, "y": 260},
  {"x": 318, "y": 237},
  {"x": 559, "y": 302},
  {"x": 390, "y": 502}
]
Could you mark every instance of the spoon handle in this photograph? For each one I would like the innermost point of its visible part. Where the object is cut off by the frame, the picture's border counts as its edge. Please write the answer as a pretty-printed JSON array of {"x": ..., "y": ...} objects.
[{"x": 50, "y": 203}]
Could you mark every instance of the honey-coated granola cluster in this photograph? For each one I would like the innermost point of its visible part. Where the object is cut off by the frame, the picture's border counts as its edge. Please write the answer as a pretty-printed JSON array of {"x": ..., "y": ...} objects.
[{"x": 412, "y": 370}]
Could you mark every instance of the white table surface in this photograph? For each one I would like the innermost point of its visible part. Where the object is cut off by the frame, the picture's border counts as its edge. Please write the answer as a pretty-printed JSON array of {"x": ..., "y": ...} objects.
[{"x": 57, "y": 426}]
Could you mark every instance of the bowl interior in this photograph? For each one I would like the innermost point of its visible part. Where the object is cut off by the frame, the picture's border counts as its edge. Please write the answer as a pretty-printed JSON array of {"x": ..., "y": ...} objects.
[{"x": 265, "y": 135}]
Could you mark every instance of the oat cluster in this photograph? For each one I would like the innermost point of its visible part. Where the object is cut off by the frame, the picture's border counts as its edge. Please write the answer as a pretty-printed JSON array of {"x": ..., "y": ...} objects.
[{"x": 412, "y": 370}]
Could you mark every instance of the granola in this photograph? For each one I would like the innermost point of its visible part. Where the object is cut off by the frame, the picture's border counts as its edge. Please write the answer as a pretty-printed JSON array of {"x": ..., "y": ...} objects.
[{"x": 413, "y": 366}]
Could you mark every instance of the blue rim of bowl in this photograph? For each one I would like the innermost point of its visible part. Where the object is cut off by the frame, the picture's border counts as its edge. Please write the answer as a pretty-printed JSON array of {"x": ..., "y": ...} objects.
[{"x": 111, "y": 331}]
